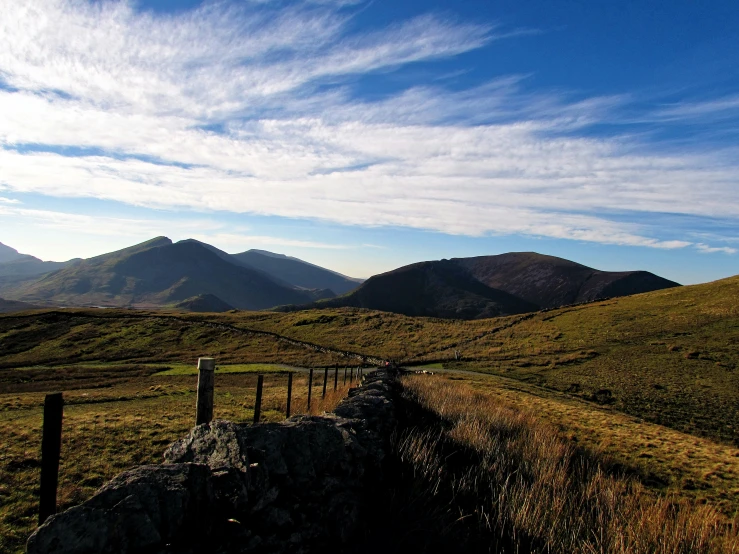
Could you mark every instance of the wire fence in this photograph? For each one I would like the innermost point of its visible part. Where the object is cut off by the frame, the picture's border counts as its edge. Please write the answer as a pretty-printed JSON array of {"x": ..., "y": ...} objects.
[{"x": 115, "y": 428}]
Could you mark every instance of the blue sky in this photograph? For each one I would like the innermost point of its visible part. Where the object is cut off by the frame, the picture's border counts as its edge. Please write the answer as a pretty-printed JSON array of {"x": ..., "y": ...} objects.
[{"x": 362, "y": 136}]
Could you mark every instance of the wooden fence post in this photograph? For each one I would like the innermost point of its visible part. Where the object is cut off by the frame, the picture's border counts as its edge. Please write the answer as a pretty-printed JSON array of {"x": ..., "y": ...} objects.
[
  {"x": 310, "y": 386},
  {"x": 336, "y": 376},
  {"x": 289, "y": 392},
  {"x": 325, "y": 379},
  {"x": 206, "y": 381},
  {"x": 51, "y": 449},
  {"x": 258, "y": 403}
]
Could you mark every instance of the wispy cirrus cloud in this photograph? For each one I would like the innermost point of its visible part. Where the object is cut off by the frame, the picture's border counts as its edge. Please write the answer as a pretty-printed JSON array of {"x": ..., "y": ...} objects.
[
  {"x": 249, "y": 109},
  {"x": 724, "y": 107}
]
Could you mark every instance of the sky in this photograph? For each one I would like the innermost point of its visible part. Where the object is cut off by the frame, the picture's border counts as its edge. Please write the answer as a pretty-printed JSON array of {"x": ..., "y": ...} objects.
[{"x": 366, "y": 135}]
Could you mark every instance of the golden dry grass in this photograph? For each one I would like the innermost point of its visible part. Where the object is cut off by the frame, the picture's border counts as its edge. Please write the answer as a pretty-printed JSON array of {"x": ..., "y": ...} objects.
[
  {"x": 666, "y": 460},
  {"x": 538, "y": 490},
  {"x": 112, "y": 428}
]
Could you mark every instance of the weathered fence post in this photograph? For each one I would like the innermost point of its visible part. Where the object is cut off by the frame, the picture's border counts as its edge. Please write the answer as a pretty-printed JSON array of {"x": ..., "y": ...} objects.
[
  {"x": 325, "y": 379},
  {"x": 51, "y": 449},
  {"x": 336, "y": 376},
  {"x": 258, "y": 403},
  {"x": 310, "y": 386},
  {"x": 289, "y": 393},
  {"x": 206, "y": 380}
]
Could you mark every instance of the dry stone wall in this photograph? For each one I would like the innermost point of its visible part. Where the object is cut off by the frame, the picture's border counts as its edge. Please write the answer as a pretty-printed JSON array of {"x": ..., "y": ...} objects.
[{"x": 295, "y": 486}]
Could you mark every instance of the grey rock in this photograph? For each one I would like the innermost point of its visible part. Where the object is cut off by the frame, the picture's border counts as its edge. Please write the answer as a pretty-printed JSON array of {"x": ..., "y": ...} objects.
[{"x": 140, "y": 508}]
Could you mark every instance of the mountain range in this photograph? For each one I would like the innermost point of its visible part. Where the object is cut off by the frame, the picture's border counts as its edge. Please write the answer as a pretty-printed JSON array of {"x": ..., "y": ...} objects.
[
  {"x": 160, "y": 273},
  {"x": 195, "y": 276}
]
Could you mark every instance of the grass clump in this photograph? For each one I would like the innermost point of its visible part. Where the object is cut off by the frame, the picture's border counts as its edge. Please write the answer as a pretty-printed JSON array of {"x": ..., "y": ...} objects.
[{"x": 513, "y": 479}]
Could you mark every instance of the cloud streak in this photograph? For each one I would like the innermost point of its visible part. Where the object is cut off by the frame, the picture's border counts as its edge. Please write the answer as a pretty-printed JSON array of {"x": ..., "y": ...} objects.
[{"x": 250, "y": 109}]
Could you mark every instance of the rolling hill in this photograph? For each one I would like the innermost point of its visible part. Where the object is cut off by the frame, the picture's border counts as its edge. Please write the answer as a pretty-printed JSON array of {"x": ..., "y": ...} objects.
[
  {"x": 159, "y": 273},
  {"x": 489, "y": 286}
]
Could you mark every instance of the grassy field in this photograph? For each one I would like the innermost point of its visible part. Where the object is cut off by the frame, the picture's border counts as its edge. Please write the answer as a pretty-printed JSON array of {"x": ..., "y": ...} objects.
[
  {"x": 116, "y": 417},
  {"x": 190, "y": 369}
]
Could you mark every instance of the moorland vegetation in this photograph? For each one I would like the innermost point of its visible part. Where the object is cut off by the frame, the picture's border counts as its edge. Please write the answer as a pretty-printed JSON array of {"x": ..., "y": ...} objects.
[{"x": 645, "y": 386}]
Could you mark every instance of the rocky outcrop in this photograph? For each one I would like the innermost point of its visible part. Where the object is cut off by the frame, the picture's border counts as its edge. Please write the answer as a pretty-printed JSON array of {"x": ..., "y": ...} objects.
[{"x": 296, "y": 486}]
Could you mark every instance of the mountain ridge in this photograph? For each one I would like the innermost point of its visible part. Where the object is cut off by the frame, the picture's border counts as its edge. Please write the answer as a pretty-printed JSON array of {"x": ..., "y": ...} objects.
[
  {"x": 159, "y": 272},
  {"x": 489, "y": 286}
]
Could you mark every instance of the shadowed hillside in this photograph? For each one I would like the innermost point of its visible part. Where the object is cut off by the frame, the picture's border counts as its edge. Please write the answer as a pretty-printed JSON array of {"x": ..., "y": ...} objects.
[
  {"x": 550, "y": 282},
  {"x": 490, "y": 286},
  {"x": 204, "y": 303},
  {"x": 436, "y": 289},
  {"x": 9, "y": 306}
]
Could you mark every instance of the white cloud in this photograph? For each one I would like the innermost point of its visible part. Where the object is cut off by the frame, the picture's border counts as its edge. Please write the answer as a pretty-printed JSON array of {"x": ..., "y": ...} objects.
[
  {"x": 239, "y": 242},
  {"x": 142, "y": 91},
  {"x": 120, "y": 232},
  {"x": 712, "y": 249}
]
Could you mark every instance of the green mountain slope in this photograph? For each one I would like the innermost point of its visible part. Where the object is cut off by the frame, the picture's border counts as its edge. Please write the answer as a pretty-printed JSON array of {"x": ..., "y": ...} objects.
[
  {"x": 297, "y": 272},
  {"x": 159, "y": 273}
]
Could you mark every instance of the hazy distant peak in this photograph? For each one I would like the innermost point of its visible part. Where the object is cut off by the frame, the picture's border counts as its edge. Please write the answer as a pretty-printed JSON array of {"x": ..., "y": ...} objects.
[
  {"x": 8, "y": 254},
  {"x": 274, "y": 255}
]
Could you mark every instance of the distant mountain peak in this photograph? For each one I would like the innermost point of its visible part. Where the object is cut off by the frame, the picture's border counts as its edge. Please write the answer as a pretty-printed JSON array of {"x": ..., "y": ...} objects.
[
  {"x": 489, "y": 286},
  {"x": 8, "y": 254}
]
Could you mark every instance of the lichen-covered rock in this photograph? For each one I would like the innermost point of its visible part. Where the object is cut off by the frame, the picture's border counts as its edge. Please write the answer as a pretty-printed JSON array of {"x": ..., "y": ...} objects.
[
  {"x": 139, "y": 509},
  {"x": 294, "y": 486},
  {"x": 217, "y": 444}
]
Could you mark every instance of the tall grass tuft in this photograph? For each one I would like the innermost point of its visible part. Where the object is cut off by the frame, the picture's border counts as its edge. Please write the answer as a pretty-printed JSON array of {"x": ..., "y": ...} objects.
[{"x": 515, "y": 478}]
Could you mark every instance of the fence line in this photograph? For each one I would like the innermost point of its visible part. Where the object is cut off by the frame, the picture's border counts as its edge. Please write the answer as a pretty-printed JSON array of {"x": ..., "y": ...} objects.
[{"x": 102, "y": 437}]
